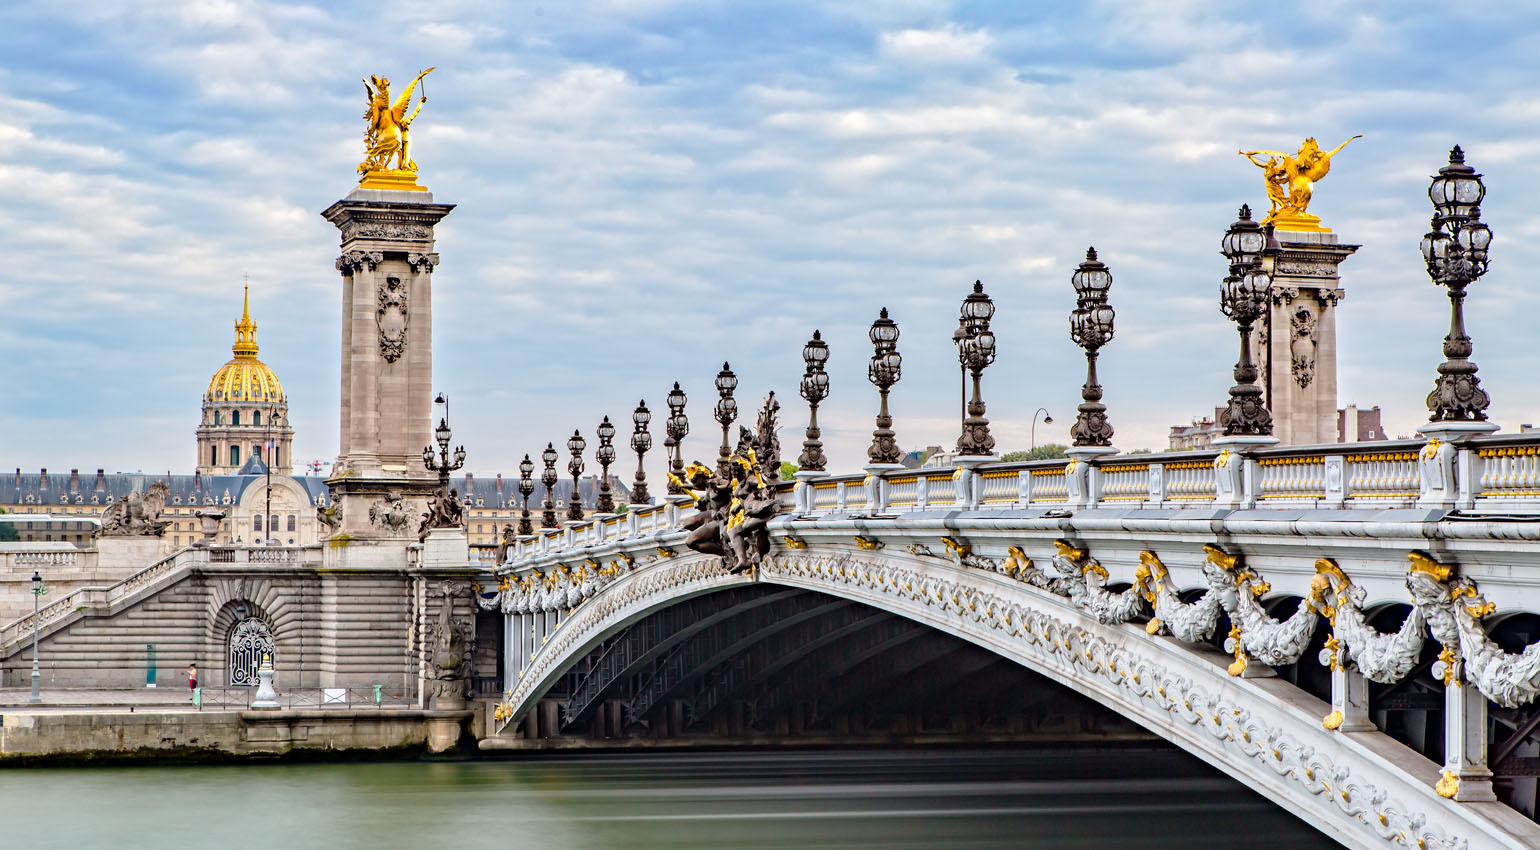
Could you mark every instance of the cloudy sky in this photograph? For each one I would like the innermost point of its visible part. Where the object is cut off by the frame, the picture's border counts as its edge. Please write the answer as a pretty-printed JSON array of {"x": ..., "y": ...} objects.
[{"x": 646, "y": 188}]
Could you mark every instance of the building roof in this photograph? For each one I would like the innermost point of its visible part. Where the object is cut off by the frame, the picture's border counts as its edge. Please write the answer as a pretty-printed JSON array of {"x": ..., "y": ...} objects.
[
  {"x": 244, "y": 379},
  {"x": 102, "y": 488}
]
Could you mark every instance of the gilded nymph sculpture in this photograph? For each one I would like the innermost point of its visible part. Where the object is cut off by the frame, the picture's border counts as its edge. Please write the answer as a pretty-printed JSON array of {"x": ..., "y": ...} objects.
[
  {"x": 1290, "y": 181},
  {"x": 387, "y": 136}
]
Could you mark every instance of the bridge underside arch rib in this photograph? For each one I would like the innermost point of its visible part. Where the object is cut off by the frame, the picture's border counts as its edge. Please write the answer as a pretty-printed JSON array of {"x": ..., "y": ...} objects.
[{"x": 904, "y": 634}]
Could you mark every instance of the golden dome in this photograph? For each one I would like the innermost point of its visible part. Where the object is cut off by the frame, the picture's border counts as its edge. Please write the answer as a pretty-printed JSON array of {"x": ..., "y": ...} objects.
[{"x": 245, "y": 378}]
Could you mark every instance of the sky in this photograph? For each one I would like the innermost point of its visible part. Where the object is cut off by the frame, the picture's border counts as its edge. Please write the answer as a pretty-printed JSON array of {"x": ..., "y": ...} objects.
[{"x": 648, "y": 188}]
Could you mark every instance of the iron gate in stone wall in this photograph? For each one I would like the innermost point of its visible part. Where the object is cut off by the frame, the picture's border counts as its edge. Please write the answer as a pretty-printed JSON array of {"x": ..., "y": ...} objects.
[{"x": 250, "y": 640}]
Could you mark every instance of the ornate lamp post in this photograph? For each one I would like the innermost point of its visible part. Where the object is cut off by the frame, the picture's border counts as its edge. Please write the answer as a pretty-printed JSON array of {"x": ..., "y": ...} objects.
[
  {"x": 726, "y": 413},
  {"x": 884, "y": 371},
  {"x": 976, "y": 351},
  {"x": 605, "y": 455},
  {"x": 526, "y": 487},
  {"x": 548, "y": 478},
  {"x": 1243, "y": 298},
  {"x": 1456, "y": 254},
  {"x": 1090, "y": 326},
  {"x": 815, "y": 388},
  {"x": 575, "y": 466},
  {"x": 37, "y": 677},
  {"x": 678, "y": 429},
  {"x": 641, "y": 441},
  {"x": 443, "y": 464}
]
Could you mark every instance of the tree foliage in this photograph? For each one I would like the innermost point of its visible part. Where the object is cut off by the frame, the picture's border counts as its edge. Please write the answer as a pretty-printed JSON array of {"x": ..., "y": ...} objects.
[{"x": 1047, "y": 451}]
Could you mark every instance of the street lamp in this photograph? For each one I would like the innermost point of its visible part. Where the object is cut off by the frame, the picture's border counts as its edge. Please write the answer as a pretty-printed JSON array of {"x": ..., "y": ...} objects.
[
  {"x": 1090, "y": 327},
  {"x": 726, "y": 413},
  {"x": 641, "y": 441},
  {"x": 1455, "y": 251},
  {"x": 605, "y": 455},
  {"x": 37, "y": 677},
  {"x": 548, "y": 478},
  {"x": 1047, "y": 420},
  {"x": 976, "y": 351},
  {"x": 884, "y": 371},
  {"x": 526, "y": 487},
  {"x": 443, "y": 464},
  {"x": 575, "y": 466},
  {"x": 1251, "y": 250},
  {"x": 678, "y": 429},
  {"x": 815, "y": 388}
]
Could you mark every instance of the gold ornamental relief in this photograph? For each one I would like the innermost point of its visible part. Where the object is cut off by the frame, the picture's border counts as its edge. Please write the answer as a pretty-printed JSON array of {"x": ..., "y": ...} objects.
[
  {"x": 1290, "y": 182},
  {"x": 388, "y": 162}
]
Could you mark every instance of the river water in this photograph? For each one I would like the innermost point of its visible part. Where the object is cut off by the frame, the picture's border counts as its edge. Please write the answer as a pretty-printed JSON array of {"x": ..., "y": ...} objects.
[{"x": 893, "y": 800}]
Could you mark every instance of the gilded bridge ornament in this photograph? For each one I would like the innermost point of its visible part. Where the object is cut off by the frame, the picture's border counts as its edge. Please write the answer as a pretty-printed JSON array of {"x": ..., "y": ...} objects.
[
  {"x": 386, "y": 137},
  {"x": 1290, "y": 180}
]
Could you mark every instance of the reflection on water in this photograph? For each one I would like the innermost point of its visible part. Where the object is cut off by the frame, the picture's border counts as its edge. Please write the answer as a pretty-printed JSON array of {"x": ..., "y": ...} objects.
[{"x": 884, "y": 799}]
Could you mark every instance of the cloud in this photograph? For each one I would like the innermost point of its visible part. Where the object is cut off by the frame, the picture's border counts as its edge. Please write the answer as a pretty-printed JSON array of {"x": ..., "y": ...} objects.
[{"x": 947, "y": 44}]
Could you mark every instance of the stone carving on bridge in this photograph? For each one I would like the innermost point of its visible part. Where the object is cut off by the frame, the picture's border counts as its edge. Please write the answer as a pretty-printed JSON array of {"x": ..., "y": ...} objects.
[
  {"x": 449, "y": 641},
  {"x": 136, "y": 515},
  {"x": 1384, "y": 657},
  {"x": 329, "y": 516},
  {"x": 444, "y": 511},
  {"x": 391, "y": 318},
  {"x": 1454, "y": 607},
  {"x": 733, "y": 510},
  {"x": 1084, "y": 582},
  {"x": 1255, "y": 634},
  {"x": 1192, "y": 622},
  {"x": 391, "y": 515},
  {"x": 1302, "y": 345}
]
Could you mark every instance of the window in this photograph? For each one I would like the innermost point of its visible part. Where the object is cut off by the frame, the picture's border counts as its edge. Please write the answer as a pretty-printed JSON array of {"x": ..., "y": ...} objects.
[
  {"x": 256, "y": 523},
  {"x": 291, "y": 522},
  {"x": 235, "y": 455},
  {"x": 256, "y": 417},
  {"x": 216, "y": 417},
  {"x": 213, "y": 455},
  {"x": 272, "y": 523}
]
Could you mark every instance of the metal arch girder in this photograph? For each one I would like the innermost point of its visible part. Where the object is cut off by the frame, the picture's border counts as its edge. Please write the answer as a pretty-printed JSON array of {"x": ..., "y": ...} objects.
[
  {"x": 809, "y": 674},
  {"x": 639, "y": 643},
  {"x": 725, "y": 691},
  {"x": 872, "y": 678},
  {"x": 687, "y": 665}
]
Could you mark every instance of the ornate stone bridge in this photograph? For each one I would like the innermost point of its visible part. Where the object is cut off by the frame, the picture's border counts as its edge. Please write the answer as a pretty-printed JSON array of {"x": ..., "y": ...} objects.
[{"x": 1343, "y": 628}]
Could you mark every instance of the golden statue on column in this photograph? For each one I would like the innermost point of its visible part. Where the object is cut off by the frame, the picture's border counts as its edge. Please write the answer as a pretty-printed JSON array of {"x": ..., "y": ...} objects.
[
  {"x": 1289, "y": 183},
  {"x": 387, "y": 137}
]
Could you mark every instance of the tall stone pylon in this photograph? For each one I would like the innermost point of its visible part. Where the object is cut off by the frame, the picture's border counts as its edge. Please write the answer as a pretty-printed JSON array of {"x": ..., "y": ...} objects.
[
  {"x": 1299, "y": 350},
  {"x": 379, "y": 481}
]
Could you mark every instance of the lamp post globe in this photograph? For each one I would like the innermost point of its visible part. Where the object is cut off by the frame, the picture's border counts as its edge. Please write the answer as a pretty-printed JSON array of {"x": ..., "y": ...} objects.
[
  {"x": 605, "y": 455},
  {"x": 526, "y": 487},
  {"x": 1252, "y": 251},
  {"x": 37, "y": 675},
  {"x": 1455, "y": 251},
  {"x": 726, "y": 412},
  {"x": 548, "y": 477},
  {"x": 814, "y": 388},
  {"x": 641, "y": 441},
  {"x": 1091, "y": 326},
  {"x": 884, "y": 370},
  {"x": 678, "y": 427},
  {"x": 575, "y": 445},
  {"x": 976, "y": 350}
]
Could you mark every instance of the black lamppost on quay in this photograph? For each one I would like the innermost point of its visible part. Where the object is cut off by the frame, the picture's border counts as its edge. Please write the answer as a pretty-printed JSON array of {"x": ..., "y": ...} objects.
[
  {"x": 976, "y": 350},
  {"x": 37, "y": 676},
  {"x": 1455, "y": 250},
  {"x": 1091, "y": 327},
  {"x": 884, "y": 371},
  {"x": 678, "y": 428},
  {"x": 548, "y": 478},
  {"x": 575, "y": 466},
  {"x": 726, "y": 413},
  {"x": 641, "y": 441},
  {"x": 1252, "y": 251},
  {"x": 526, "y": 487},
  {"x": 815, "y": 388},
  {"x": 605, "y": 455}
]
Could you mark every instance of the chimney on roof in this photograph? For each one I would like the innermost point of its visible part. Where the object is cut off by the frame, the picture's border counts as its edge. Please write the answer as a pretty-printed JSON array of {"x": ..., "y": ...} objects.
[
  {"x": 468, "y": 479},
  {"x": 499, "y": 483},
  {"x": 18, "y": 476},
  {"x": 197, "y": 480},
  {"x": 101, "y": 479},
  {"x": 44, "y": 485},
  {"x": 74, "y": 481}
]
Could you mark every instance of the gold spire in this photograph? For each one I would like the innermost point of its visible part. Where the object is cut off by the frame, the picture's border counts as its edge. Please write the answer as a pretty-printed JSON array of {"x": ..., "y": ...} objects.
[{"x": 245, "y": 330}]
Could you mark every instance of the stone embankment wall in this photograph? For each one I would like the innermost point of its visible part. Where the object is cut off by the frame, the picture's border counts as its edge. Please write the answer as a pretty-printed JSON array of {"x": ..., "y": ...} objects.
[{"x": 119, "y": 733}]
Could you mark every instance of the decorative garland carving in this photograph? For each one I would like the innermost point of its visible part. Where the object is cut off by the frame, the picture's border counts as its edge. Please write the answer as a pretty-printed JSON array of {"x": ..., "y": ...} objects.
[
  {"x": 1354, "y": 644},
  {"x": 1454, "y": 607},
  {"x": 392, "y": 318}
]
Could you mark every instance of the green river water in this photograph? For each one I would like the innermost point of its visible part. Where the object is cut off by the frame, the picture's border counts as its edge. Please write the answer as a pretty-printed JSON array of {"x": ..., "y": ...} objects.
[{"x": 955, "y": 799}]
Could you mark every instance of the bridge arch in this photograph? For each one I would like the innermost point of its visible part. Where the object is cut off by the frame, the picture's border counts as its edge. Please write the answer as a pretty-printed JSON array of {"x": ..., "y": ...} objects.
[{"x": 1364, "y": 790}]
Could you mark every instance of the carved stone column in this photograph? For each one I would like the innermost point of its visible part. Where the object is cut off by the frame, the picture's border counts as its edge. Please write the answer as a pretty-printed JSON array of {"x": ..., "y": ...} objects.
[
  {"x": 1298, "y": 350},
  {"x": 386, "y": 264}
]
